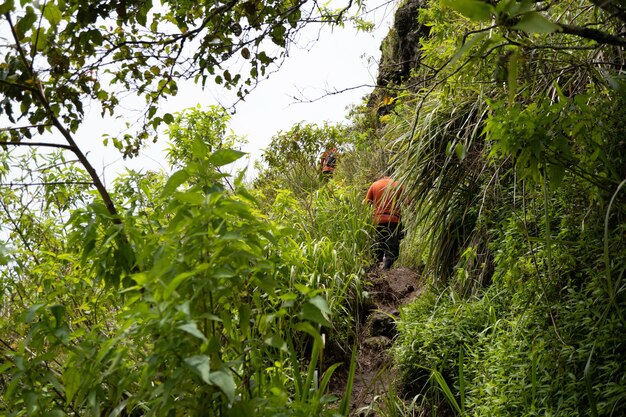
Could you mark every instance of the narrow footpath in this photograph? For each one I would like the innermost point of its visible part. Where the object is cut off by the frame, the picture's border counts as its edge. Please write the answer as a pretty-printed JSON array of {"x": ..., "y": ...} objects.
[{"x": 375, "y": 378}]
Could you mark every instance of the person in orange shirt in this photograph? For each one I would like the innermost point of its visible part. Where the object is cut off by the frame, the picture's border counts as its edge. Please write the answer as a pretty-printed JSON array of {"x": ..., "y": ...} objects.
[
  {"x": 386, "y": 197},
  {"x": 329, "y": 161}
]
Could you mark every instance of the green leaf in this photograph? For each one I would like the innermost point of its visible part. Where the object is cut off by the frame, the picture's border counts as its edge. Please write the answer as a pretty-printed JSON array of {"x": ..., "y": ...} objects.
[
  {"x": 294, "y": 17},
  {"x": 142, "y": 17},
  {"x": 168, "y": 118},
  {"x": 223, "y": 157},
  {"x": 58, "y": 310},
  {"x": 277, "y": 342},
  {"x": 190, "y": 197},
  {"x": 7, "y": 7},
  {"x": 513, "y": 70},
  {"x": 30, "y": 313},
  {"x": 278, "y": 35},
  {"x": 520, "y": 7},
  {"x": 244, "y": 319},
  {"x": 556, "y": 173},
  {"x": 617, "y": 83},
  {"x": 224, "y": 272},
  {"x": 4, "y": 259},
  {"x": 171, "y": 287},
  {"x": 201, "y": 365},
  {"x": 534, "y": 22},
  {"x": 140, "y": 278},
  {"x": 72, "y": 380},
  {"x": 589, "y": 384},
  {"x": 304, "y": 289},
  {"x": 57, "y": 412},
  {"x": 308, "y": 328},
  {"x": 460, "y": 151},
  {"x": 445, "y": 388},
  {"x": 264, "y": 58},
  {"x": 224, "y": 381},
  {"x": 25, "y": 23},
  {"x": 313, "y": 313},
  {"x": 472, "y": 9},
  {"x": 174, "y": 182},
  {"x": 30, "y": 398},
  {"x": 469, "y": 43},
  {"x": 320, "y": 302},
  {"x": 504, "y": 6},
  {"x": 242, "y": 408},
  {"x": 344, "y": 406},
  {"x": 39, "y": 40},
  {"x": 52, "y": 13},
  {"x": 193, "y": 330},
  {"x": 117, "y": 410},
  {"x": 178, "y": 279}
]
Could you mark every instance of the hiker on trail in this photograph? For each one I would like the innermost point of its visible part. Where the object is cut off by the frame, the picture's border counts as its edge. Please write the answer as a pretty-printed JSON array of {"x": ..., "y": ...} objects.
[
  {"x": 329, "y": 161},
  {"x": 386, "y": 197}
]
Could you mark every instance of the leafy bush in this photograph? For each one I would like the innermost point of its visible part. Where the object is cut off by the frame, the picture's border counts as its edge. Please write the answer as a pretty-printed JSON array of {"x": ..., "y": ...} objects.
[
  {"x": 534, "y": 342},
  {"x": 333, "y": 231},
  {"x": 219, "y": 311}
]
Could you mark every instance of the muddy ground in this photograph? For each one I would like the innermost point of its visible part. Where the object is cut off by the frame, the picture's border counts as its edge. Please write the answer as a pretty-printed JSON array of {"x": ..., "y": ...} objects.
[{"x": 375, "y": 378}]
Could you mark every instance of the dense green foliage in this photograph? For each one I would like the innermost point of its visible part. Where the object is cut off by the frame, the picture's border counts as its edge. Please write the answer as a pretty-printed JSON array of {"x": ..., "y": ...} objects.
[
  {"x": 202, "y": 295},
  {"x": 203, "y": 300},
  {"x": 515, "y": 157}
]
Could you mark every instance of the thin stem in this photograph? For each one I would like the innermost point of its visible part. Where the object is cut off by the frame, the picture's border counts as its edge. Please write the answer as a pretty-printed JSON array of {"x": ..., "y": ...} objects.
[
  {"x": 18, "y": 128},
  {"x": 38, "y": 144},
  {"x": 35, "y": 184},
  {"x": 593, "y": 34},
  {"x": 18, "y": 230},
  {"x": 607, "y": 264}
]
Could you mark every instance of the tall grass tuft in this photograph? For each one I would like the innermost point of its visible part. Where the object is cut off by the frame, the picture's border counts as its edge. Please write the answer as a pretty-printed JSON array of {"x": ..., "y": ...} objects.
[{"x": 443, "y": 170}]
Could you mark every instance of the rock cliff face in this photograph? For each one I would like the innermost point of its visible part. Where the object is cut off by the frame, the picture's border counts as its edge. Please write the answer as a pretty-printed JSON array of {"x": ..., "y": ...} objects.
[
  {"x": 400, "y": 49},
  {"x": 400, "y": 52}
]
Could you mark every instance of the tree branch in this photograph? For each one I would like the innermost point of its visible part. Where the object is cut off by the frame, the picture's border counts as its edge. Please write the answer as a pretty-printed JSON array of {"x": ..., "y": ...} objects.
[
  {"x": 190, "y": 34},
  {"x": 18, "y": 85},
  {"x": 11, "y": 129},
  {"x": 562, "y": 47},
  {"x": 329, "y": 93},
  {"x": 34, "y": 184},
  {"x": 593, "y": 34},
  {"x": 39, "y": 93},
  {"x": 38, "y": 144}
]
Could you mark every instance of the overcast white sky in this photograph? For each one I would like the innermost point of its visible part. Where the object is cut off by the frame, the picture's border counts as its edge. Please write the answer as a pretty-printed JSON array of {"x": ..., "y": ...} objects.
[{"x": 340, "y": 59}]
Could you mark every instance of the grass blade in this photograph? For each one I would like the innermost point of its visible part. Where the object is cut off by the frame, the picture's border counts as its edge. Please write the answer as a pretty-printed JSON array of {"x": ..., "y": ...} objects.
[
  {"x": 443, "y": 385},
  {"x": 344, "y": 407}
]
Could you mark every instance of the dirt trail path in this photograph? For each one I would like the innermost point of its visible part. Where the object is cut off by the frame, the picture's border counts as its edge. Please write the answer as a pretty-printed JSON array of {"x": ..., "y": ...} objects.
[{"x": 388, "y": 290}]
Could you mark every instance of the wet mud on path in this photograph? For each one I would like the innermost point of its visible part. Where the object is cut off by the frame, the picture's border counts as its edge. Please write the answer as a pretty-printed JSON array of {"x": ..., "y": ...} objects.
[{"x": 375, "y": 377}]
